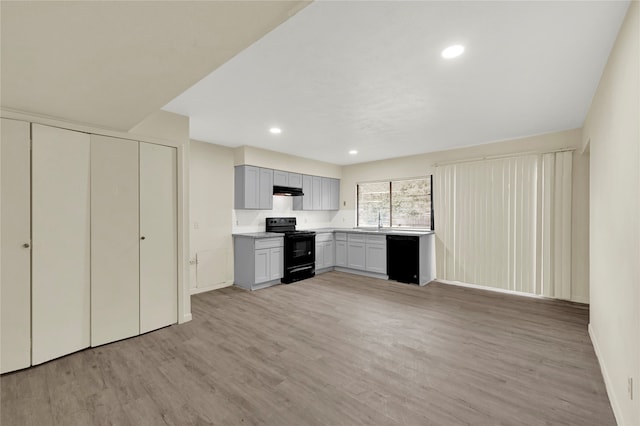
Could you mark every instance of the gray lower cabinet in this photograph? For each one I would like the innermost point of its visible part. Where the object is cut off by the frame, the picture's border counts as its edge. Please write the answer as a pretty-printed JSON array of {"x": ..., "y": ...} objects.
[
  {"x": 324, "y": 251},
  {"x": 364, "y": 252},
  {"x": 258, "y": 261},
  {"x": 328, "y": 254},
  {"x": 341, "y": 249},
  {"x": 356, "y": 251},
  {"x": 268, "y": 263},
  {"x": 376, "y": 254},
  {"x": 253, "y": 188}
]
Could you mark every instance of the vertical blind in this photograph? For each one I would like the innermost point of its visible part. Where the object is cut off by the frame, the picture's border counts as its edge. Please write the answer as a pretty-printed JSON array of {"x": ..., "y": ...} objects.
[{"x": 506, "y": 223}]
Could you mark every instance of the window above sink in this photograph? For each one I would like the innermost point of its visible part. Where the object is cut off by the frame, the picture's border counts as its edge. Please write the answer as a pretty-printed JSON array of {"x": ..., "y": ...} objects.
[{"x": 395, "y": 204}]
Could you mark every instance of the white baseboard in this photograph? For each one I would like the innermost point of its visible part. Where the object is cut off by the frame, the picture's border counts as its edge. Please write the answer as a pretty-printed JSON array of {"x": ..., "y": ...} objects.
[
  {"x": 494, "y": 289},
  {"x": 360, "y": 272},
  {"x": 197, "y": 290},
  {"x": 617, "y": 412},
  {"x": 580, "y": 299},
  {"x": 186, "y": 318},
  {"x": 504, "y": 290}
]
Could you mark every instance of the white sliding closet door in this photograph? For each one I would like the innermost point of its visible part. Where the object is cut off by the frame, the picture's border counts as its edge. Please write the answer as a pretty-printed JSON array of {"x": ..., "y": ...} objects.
[
  {"x": 115, "y": 289},
  {"x": 61, "y": 242},
  {"x": 15, "y": 264},
  {"x": 158, "y": 235}
]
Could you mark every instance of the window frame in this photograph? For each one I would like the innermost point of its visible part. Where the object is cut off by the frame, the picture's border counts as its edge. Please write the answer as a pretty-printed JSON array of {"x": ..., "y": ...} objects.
[{"x": 428, "y": 178}]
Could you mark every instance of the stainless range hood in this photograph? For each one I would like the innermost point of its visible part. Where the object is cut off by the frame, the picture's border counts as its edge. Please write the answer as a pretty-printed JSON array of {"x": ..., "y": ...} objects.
[{"x": 287, "y": 191}]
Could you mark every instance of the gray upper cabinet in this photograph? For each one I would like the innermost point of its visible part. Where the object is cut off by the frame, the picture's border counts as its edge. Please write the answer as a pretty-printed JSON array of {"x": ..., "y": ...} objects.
[
  {"x": 326, "y": 193},
  {"x": 320, "y": 193},
  {"x": 295, "y": 180},
  {"x": 266, "y": 189},
  {"x": 330, "y": 194},
  {"x": 334, "y": 203},
  {"x": 281, "y": 178},
  {"x": 305, "y": 202},
  {"x": 253, "y": 188},
  {"x": 316, "y": 195}
]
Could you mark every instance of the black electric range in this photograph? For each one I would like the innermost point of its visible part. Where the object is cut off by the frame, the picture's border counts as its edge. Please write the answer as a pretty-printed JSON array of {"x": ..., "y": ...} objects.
[{"x": 299, "y": 249}]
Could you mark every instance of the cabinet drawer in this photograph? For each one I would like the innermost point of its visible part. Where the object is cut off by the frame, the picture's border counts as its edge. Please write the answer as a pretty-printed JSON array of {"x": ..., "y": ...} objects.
[
  {"x": 379, "y": 239},
  {"x": 356, "y": 238},
  {"x": 341, "y": 236},
  {"x": 269, "y": 243},
  {"x": 324, "y": 237}
]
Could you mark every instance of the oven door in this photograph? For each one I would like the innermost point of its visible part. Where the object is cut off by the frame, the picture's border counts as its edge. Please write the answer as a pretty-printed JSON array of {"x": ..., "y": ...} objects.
[{"x": 299, "y": 250}]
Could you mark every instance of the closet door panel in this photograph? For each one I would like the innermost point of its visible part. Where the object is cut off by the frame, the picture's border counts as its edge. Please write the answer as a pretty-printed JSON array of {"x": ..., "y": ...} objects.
[
  {"x": 115, "y": 288},
  {"x": 15, "y": 263},
  {"x": 61, "y": 242},
  {"x": 158, "y": 234}
]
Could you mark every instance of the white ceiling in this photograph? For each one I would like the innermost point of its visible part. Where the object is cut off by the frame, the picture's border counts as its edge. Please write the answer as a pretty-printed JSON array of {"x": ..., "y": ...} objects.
[
  {"x": 369, "y": 76},
  {"x": 113, "y": 63}
]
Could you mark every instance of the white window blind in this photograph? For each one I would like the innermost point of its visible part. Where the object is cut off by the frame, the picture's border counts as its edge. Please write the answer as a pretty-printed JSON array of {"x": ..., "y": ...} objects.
[{"x": 506, "y": 223}]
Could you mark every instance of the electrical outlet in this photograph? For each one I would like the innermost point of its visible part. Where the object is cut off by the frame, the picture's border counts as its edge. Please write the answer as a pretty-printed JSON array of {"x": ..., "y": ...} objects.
[{"x": 630, "y": 387}]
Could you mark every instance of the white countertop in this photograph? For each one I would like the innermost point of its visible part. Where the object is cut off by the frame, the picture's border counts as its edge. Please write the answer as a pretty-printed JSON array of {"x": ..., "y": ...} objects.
[{"x": 382, "y": 231}]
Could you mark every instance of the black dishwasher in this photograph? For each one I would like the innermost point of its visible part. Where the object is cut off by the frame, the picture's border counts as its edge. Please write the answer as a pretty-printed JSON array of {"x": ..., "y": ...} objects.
[{"x": 403, "y": 258}]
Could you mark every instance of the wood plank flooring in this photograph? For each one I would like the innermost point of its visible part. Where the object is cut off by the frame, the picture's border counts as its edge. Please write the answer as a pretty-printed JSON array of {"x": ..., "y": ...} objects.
[{"x": 337, "y": 349}]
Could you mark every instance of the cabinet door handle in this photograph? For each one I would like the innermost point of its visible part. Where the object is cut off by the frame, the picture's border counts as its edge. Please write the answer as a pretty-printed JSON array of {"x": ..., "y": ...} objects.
[
  {"x": 26, "y": 245},
  {"x": 143, "y": 237}
]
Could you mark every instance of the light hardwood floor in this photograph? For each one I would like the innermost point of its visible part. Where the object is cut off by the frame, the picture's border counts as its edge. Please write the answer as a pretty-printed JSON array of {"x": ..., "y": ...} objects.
[{"x": 338, "y": 349}]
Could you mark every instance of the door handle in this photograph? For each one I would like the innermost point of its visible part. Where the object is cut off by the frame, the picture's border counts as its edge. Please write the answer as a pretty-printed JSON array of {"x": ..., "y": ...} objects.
[
  {"x": 143, "y": 237},
  {"x": 26, "y": 245}
]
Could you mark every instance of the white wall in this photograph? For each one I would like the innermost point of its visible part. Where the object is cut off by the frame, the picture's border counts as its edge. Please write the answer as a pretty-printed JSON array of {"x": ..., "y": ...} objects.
[
  {"x": 211, "y": 211},
  {"x": 290, "y": 163},
  {"x": 254, "y": 220},
  {"x": 422, "y": 165},
  {"x": 213, "y": 218},
  {"x": 612, "y": 132}
]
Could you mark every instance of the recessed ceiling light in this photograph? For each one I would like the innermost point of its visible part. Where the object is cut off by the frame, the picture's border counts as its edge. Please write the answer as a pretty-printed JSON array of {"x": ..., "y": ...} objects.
[
  {"x": 353, "y": 152},
  {"x": 275, "y": 130},
  {"x": 452, "y": 51}
]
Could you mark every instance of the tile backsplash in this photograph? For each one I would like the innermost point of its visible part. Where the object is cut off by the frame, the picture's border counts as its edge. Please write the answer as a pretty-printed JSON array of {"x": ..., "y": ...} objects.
[{"x": 245, "y": 221}]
